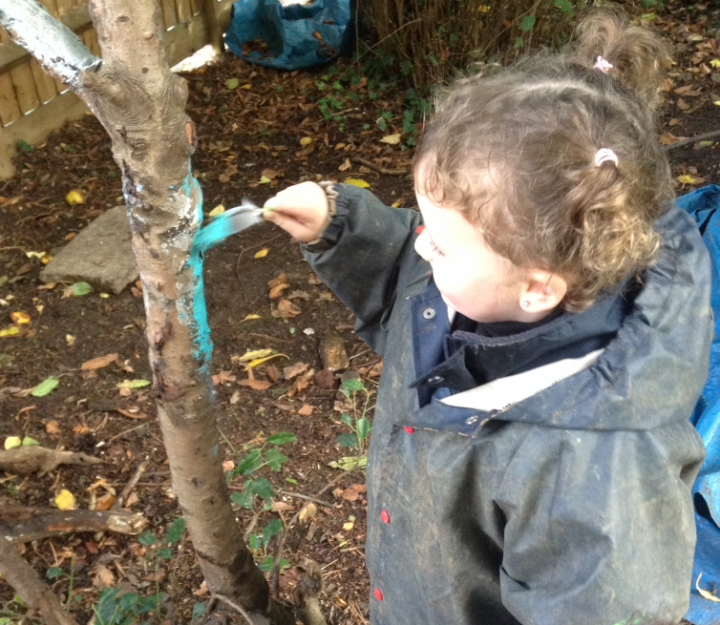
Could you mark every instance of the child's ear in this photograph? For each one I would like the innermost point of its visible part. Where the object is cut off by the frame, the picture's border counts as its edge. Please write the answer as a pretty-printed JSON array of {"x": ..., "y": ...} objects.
[{"x": 542, "y": 292}]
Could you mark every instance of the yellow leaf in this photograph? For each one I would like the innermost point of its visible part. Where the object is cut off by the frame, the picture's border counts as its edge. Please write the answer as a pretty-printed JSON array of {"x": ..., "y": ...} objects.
[
  {"x": 391, "y": 139},
  {"x": 75, "y": 197},
  {"x": 253, "y": 354},
  {"x": 262, "y": 253},
  {"x": 306, "y": 141},
  {"x": 70, "y": 340},
  {"x": 258, "y": 361},
  {"x": 348, "y": 526},
  {"x": 20, "y": 318},
  {"x": 397, "y": 204},
  {"x": 716, "y": 102},
  {"x": 11, "y": 331},
  {"x": 218, "y": 210},
  {"x": 688, "y": 179},
  {"x": 247, "y": 86},
  {"x": 715, "y": 62},
  {"x": 358, "y": 182},
  {"x": 65, "y": 500},
  {"x": 46, "y": 259},
  {"x": 250, "y": 317},
  {"x": 484, "y": 8},
  {"x": 35, "y": 254},
  {"x": 704, "y": 593},
  {"x": 265, "y": 180},
  {"x": 12, "y": 441}
]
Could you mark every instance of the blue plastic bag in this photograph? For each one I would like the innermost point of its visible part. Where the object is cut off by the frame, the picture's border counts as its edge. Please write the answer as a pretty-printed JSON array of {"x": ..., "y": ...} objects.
[
  {"x": 704, "y": 206},
  {"x": 293, "y": 37}
]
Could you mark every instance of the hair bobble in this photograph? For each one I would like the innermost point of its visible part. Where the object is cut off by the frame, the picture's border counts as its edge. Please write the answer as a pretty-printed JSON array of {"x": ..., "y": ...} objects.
[
  {"x": 604, "y": 155},
  {"x": 603, "y": 65}
]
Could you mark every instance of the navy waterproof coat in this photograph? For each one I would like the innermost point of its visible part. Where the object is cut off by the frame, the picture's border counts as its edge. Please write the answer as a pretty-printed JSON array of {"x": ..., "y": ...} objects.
[{"x": 557, "y": 501}]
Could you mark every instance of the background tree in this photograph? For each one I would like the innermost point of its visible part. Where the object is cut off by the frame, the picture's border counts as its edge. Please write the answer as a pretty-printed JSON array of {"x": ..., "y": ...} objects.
[{"x": 141, "y": 104}]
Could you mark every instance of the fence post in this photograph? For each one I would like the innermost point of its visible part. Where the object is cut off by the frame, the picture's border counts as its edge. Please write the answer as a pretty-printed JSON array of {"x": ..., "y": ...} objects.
[{"x": 216, "y": 35}]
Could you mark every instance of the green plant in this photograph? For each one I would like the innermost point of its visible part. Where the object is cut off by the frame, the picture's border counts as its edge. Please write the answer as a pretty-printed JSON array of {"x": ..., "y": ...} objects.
[
  {"x": 358, "y": 422},
  {"x": 260, "y": 488},
  {"x": 116, "y": 607},
  {"x": 10, "y": 615},
  {"x": 55, "y": 572}
]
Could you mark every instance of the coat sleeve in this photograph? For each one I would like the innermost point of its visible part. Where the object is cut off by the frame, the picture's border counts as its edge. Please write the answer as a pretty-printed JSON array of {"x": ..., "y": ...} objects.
[
  {"x": 600, "y": 527},
  {"x": 362, "y": 255}
]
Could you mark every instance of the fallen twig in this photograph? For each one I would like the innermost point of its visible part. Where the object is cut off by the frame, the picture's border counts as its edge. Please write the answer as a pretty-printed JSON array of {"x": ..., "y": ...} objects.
[
  {"x": 381, "y": 170},
  {"x": 22, "y": 525},
  {"x": 299, "y": 496},
  {"x": 29, "y": 586},
  {"x": 689, "y": 140},
  {"x": 132, "y": 483},
  {"x": 26, "y": 460}
]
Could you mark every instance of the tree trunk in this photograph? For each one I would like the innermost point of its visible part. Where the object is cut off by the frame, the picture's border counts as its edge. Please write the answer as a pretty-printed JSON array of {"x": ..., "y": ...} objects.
[{"x": 141, "y": 104}]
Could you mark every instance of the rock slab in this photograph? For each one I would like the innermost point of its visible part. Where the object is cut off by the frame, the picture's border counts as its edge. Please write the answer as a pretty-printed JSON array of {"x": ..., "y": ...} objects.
[{"x": 100, "y": 254}]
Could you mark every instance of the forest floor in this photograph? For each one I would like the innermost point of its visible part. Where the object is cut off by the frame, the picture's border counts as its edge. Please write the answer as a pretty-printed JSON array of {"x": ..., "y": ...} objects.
[{"x": 259, "y": 131}]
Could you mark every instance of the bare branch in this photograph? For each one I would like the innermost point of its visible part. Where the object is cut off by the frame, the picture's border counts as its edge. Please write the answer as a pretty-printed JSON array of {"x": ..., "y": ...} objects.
[
  {"x": 58, "y": 49},
  {"x": 30, "y": 587}
]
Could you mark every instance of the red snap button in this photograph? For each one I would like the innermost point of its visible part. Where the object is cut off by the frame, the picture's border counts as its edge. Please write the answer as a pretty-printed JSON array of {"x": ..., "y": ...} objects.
[
  {"x": 378, "y": 594},
  {"x": 408, "y": 429},
  {"x": 385, "y": 516}
]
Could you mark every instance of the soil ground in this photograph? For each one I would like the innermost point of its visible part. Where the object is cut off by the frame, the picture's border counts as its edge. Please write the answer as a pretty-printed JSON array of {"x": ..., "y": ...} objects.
[{"x": 254, "y": 138}]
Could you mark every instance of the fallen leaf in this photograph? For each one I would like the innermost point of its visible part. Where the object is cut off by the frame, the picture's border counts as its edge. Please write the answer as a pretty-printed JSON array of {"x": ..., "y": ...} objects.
[
  {"x": 20, "y": 318},
  {"x": 232, "y": 83},
  {"x": 258, "y": 361},
  {"x": 357, "y": 182},
  {"x": 29, "y": 442},
  {"x": 308, "y": 511},
  {"x": 252, "y": 355},
  {"x": 258, "y": 385},
  {"x": 262, "y": 253},
  {"x": 306, "y": 410},
  {"x": 325, "y": 379},
  {"x": 132, "y": 413},
  {"x": 77, "y": 290},
  {"x": 227, "y": 465},
  {"x": 127, "y": 386},
  {"x": 345, "y": 165},
  {"x": 99, "y": 363},
  {"x": 281, "y": 506},
  {"x": 65, "y": 500},
  {"x": 348, "y": 526},
  {"x": 11, "y": 442},
  {"x": 251, "y": 317},
  {"x": 223, "y": 377},
  {"x": 715, "y": 63},
  {"x": 277, "y": 290},
  {"x": 688, "y": 179},
  {"x": 285, "y": 310},
  {"x": 265, "y": 180},
  {"x": 52, "y": 427},
  {"x": 392, "y": 139},
  {"x": 9, "y": 331},
  {"x": 306, "y": 141},
  {"x": 75, "y": 197},
  {"x": 235, "y": 398},
  {"x": 202, "y": 591},
  {"x": 352, "y": 493},
  {"x": 102, "y": 577},
  {"x": 218, "y": 210},
  {"x": 270, "y": 174},
  {"x": 304, "y": 295},
  {"x": 295, "y": 370},
  {"x": 47, "y": 386},
  {"x": 281, "y": 279},
  {"x": 668, "y": 139},
  {"x": 70, "y": 340},
  {"x": 682, "y": 105},
  {"x": 105, "y": 502}
]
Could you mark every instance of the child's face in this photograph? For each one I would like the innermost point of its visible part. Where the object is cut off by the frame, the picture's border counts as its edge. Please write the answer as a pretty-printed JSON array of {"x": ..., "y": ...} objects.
[{"x": 473, "y": 279}]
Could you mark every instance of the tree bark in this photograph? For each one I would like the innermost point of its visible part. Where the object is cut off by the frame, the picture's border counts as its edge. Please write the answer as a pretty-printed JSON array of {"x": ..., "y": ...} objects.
[
  {"x": 30, "y": 587},
  {"x": 141, "y": 104}
]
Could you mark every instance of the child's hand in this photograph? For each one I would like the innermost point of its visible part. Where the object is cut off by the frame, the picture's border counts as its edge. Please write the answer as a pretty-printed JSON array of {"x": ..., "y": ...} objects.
[{"x": 300, "y": 210}]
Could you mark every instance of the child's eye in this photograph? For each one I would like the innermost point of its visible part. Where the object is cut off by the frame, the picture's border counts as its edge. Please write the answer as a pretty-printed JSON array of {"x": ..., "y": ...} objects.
[{"x": 435, "y": 249}]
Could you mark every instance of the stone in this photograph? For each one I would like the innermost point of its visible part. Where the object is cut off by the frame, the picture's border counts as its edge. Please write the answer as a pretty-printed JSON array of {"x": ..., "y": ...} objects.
[
  {"x": 100, "y": 254},
  {"x": 333, "y": 353}
]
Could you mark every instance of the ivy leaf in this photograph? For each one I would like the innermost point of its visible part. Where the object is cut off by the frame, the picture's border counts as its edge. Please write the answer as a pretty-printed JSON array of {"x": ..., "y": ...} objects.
[
  {"x": 54, "y": 572},
  {"x": 275, "y": 459},
  {"x": 282, "y": 438},
  {"x": 251, "y": 463},
  {"x": 176, "y": 531},
  {"x": 353, "y": 385},
  {"x": 261, "y": 487},
  {"x": 347, "y": 440},
  {"x": 564, "y": 5},
  {"x": 244, "y": 500},
  {"x": 147, "y": 538},
  {"x": 527, "y": 23},
  {"x": 81, "y": 288},
  {"x": 363, "y": 428},
  {"x": 271, "y": 529}
]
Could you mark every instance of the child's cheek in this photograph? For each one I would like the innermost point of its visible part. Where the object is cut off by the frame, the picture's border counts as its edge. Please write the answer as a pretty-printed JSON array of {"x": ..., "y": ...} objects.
[{"x": 423, "y": 247}]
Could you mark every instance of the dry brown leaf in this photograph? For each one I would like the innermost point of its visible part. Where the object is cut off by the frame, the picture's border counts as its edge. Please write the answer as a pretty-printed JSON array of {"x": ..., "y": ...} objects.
[
  {"x": 276, "y": 291},
  {"x": 295, "y": 370},
  {"x": 106, "y": 502},
  {"x": 202, "y": 591},
  {"x": 325, "y": 379},
  {"x": 306, "y": 410},
  {"x": 99, "y": 363},
  {"x": 674, "y": 121},
  {"x": 235, "y": 398},
  {"x": 270, "y": 174},
  {"x": 52, "y": 427},
  {"x": 282, "y": 506},
  {"x": 684, "y": 90},
  {"x": 227, "y": 465},
  {"x": 682, "y": 105},
  {"x": 304, "y": 295},
  {"x": 132, "y": 412},
  {"x": 308, "y": 511},
  {"x": 132, "y": 500},
  {"x": 668, "y": 138},
  {"x": 346, "y": 165},
  {"x": 224, "y": 377},
  {"x": 281, "y": 279},
  {"x": 352, "y": 493},
  {"x": 258, "y": 385},
  {"x": 102, "y": 577},
  {"x": 286, "y": 310},
  {"x": 272, "y": 372}
]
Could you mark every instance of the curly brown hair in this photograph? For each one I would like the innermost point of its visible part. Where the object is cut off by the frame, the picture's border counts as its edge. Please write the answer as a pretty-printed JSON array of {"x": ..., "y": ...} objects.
[{"x": 515, "y": 152}]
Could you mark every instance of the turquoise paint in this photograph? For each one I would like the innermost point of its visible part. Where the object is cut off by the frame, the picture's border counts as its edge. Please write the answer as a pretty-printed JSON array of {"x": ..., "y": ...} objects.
[{"x": 195, "y": 298}]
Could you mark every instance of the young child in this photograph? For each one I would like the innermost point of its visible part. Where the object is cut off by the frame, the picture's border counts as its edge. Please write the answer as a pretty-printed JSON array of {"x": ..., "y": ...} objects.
[{"x": 545, "y": 324}]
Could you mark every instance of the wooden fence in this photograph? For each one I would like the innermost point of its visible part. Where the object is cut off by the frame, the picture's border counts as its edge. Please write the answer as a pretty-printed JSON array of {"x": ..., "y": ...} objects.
[{"x": 32, "y": 104}]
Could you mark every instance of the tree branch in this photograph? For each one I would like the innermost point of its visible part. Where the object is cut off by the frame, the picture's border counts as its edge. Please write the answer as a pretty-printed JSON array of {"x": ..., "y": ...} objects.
[
  {"x": 28, "y": 585},
  {"x": 59, "y": 50}
]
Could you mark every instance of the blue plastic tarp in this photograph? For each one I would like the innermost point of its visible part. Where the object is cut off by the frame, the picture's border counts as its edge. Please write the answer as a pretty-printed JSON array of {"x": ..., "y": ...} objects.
[
  {"x": 704, "y": 206},
  {"x": 292, "y": 37}
]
